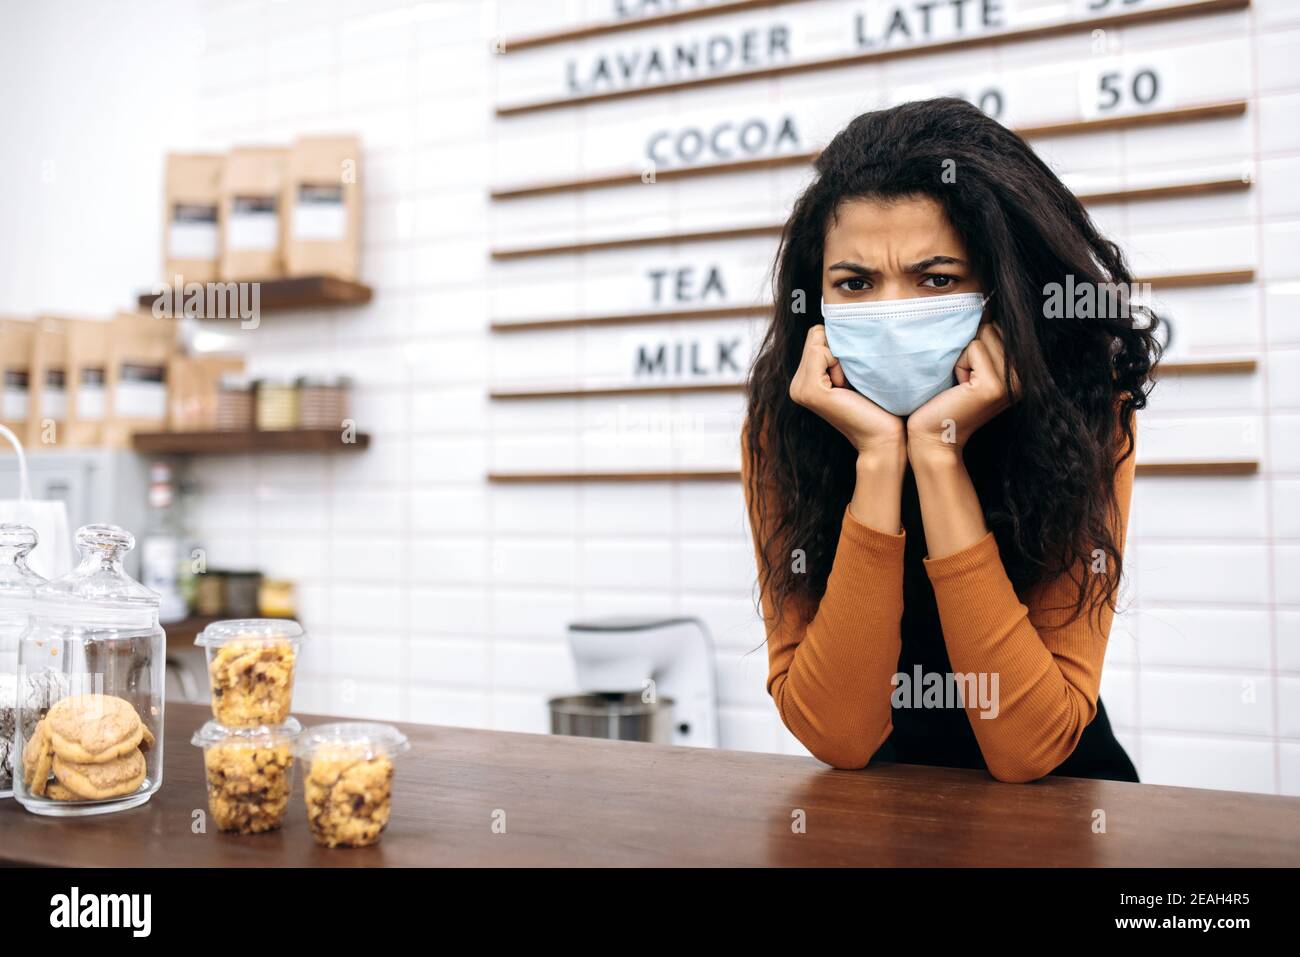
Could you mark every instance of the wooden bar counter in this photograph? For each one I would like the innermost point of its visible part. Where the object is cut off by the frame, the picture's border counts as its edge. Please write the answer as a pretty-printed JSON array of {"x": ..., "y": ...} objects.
[{"x": 573, "y": 801}]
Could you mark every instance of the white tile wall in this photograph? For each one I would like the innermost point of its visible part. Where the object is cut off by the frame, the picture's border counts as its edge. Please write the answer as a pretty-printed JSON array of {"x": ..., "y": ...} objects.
[{"x": 434, "y": 596}]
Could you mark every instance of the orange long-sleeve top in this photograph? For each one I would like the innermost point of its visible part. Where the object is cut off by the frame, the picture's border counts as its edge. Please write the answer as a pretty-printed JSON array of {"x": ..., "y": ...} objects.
[{"x": 831, "y": 675}]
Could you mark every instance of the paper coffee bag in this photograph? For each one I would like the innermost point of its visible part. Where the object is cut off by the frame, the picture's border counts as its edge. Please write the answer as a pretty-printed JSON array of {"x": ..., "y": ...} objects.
[
  {"x": 192, "y": 383},
  {"x": 252, "y": 227},
  {"x": 322, "y": 203},
  {"x": 137, "y": 376},
  {"x": 48, "y": 384},
  {"x": 87, "y": 382},
  {"x": 17, "y": 338},
  {"x": 191, "y": 217}
]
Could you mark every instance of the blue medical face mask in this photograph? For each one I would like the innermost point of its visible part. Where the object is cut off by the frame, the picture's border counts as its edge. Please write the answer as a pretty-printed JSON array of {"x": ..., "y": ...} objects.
[{"x": 900, "y": 353}]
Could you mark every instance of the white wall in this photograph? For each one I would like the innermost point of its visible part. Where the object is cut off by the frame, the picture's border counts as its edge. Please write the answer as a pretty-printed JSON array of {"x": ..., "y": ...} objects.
[
  {"x": 434, "y": 596},
  {"x": 92, "y": 96}
]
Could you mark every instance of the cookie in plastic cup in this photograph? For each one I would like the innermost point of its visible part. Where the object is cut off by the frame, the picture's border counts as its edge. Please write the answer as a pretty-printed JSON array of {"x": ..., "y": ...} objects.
[
  {"x": 251, "y": 664},
  {"x": 249, "y": 773},
  {"x": 348, "y": 780}
]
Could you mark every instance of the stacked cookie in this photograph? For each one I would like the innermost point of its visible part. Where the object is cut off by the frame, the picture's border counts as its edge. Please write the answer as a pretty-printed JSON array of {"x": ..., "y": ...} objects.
[
  {"x": 248, "y": 747},
  {"x": 88, "y": 747}
]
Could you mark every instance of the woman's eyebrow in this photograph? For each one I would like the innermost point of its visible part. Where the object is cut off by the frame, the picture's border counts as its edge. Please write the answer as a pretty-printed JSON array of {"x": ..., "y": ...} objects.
[
  {"x": 931, "y": 262},
  {"x": 857, "y": 268}
]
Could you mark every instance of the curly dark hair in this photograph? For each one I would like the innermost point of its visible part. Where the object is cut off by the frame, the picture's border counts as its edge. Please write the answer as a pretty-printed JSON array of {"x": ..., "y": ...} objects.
[{"x": 1044, "y": 469}]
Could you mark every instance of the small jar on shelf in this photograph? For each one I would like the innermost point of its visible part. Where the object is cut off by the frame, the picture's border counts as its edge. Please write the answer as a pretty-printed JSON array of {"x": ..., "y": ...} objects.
[
  {"x": 275, "y": 599},
  {"x": 323, "y": 401},
  {"x": 277, "y": 405},
  {"x": 234, "y": 404}
]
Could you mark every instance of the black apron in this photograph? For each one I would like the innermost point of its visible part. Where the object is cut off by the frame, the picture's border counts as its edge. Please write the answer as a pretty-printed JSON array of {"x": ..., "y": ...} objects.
[{"x": 943, "y": 736}]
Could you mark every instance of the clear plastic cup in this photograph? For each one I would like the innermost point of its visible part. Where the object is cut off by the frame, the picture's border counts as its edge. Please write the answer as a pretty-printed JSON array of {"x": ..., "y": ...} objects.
[
  {"x": 251, "y": 663},
  {"x": 249, "y": 774},
  {"x": 348, "y": 780}
]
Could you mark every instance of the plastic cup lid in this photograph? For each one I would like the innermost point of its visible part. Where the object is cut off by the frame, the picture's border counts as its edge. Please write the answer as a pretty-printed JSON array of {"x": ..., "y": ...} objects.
[
  {"x": 369, "y": 738},
  {"x": 262, "y": 736},
  {"x": 250, "y": 629}
]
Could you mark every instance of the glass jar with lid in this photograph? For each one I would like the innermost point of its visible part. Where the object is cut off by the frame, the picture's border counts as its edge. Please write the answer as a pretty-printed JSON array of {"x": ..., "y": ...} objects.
[
  {"x": 95, "y": 642},
  {"x": 17, "y": 582}
]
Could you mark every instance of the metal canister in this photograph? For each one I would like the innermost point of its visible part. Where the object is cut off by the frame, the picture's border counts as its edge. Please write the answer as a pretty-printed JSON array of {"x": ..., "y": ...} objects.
[
  {"x": 242, "y": 594},
  {"x": 618, "y": 715}
]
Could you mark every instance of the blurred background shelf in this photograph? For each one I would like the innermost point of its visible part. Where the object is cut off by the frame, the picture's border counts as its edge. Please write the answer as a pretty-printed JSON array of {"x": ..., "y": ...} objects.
[
  {"x": 181, "y": 634},
  {"x": 1204, "y": 468},
  {"x": 232, "y": 442},
  {"x": 298, "y": 292}
]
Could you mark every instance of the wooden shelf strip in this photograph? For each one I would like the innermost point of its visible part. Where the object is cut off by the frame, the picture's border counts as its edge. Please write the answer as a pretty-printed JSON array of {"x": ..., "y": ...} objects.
[
  {"x": 555, "y": 478},
  {"x": 1206, "y": 367},
  {"x": 1184, "y": 114},
  {"x": 229, "y": 442},
  {"x": 586, "y": 32},
  {"x": 1133, "y": 194},
  {"x": 1191, "y": 469},
  {"x": 1230, "y": 277},
  {"x": 1193, "y": 280},
  {"x": 1014, "y": 35},
  {"x": 720, "y": 312},
  {"x": 1171, "y": 367},
  {"x": 1239, "y": 467},
  {"x": 579, "y": 392}
]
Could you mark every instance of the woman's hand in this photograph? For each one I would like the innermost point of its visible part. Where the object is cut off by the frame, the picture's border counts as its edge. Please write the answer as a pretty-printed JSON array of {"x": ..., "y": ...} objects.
[
  {"x": 938, "y": 430},
  {"x": 819, "y": 386}
]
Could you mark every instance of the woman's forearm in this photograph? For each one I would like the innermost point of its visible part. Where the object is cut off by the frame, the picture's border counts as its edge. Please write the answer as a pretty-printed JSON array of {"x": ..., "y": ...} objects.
[
  {"x": 878, "y": 492},
  {"x": 950, "y": 507},
  {"x": 832, "y": 686}
]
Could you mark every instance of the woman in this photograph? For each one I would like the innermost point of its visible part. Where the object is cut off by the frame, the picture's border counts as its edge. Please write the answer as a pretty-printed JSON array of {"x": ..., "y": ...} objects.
[{"x": 938, "y": 467}]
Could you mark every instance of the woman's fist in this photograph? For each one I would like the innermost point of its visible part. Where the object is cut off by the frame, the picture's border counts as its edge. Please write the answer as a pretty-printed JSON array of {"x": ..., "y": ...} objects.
[{"x": 819, "y": 386}]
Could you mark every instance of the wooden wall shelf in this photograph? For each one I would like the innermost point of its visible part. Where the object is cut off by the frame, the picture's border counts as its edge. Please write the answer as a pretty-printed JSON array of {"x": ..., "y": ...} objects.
[
  {"x": 1197, "y": 8},
  {"x": 1184, "y": 114},
  {"x": 1191, "y": 469},
  {"x": 1135, "y": 194},
  {"x": 299, "y": 292},
  {"x": 232, "y": 442}
]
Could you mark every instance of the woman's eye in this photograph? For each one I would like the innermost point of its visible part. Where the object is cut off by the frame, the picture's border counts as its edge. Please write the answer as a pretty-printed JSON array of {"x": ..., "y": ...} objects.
[
  {"x": 854, "y": 285},
  {"x": 940, "y": 282}
]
